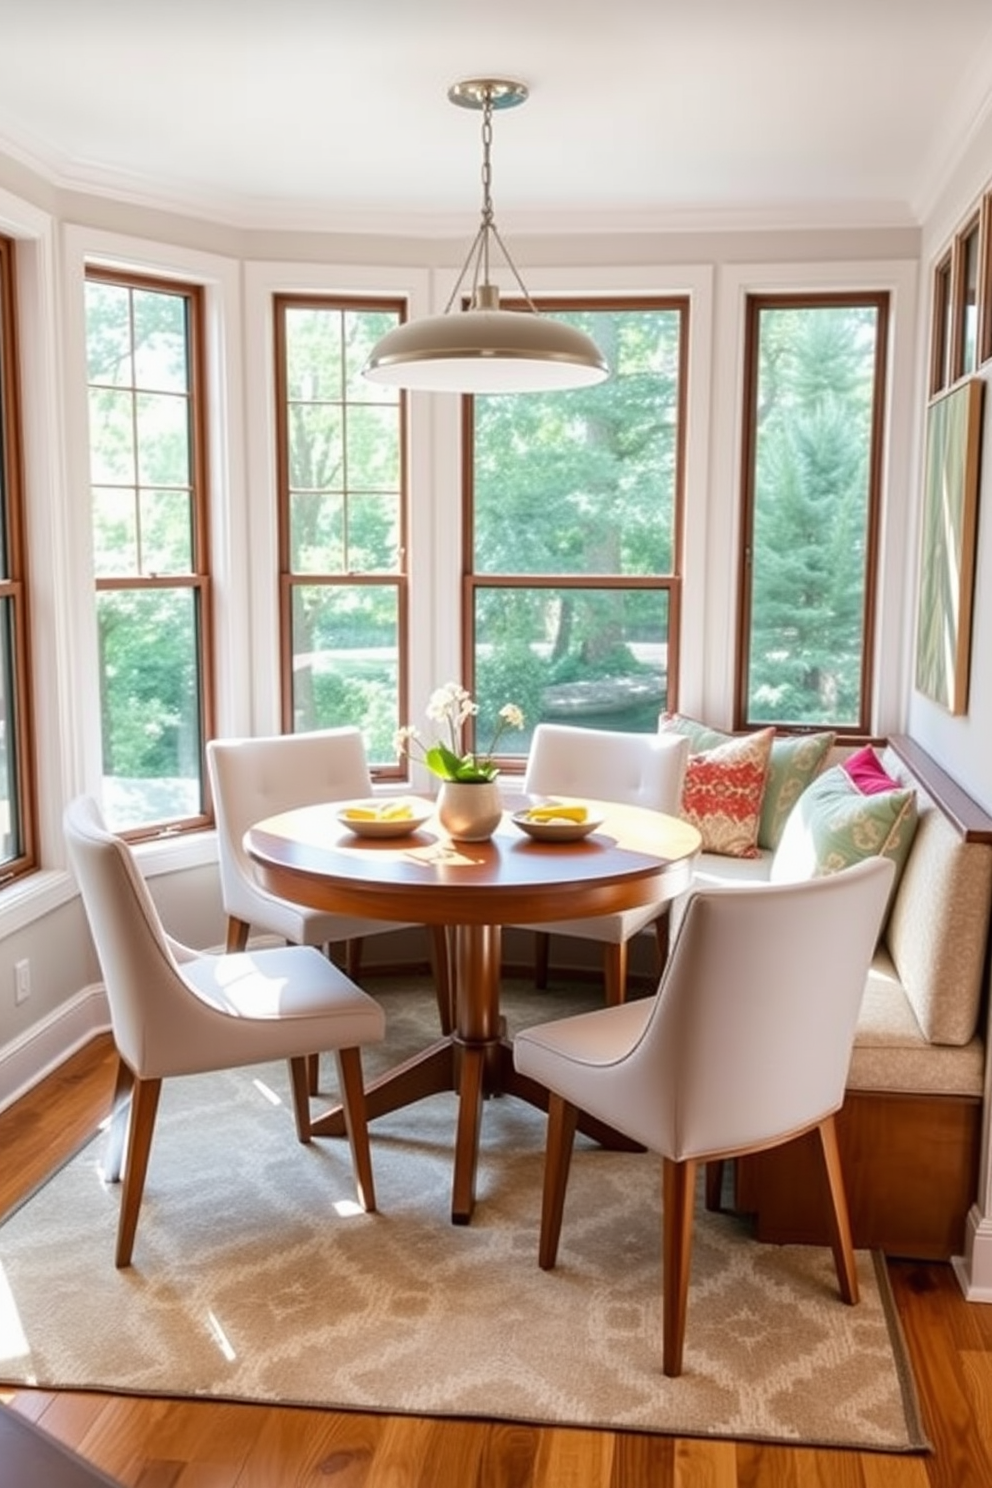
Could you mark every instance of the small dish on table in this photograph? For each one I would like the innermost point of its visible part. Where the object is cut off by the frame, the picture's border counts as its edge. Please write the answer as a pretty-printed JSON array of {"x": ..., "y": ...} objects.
[
  {"x": 384, "y": 818},
  {"x": 554, "y": 821}
]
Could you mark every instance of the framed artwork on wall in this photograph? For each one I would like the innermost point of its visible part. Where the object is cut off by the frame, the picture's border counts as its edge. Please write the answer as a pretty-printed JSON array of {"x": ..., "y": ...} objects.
[{"x": 947, "y": 545}]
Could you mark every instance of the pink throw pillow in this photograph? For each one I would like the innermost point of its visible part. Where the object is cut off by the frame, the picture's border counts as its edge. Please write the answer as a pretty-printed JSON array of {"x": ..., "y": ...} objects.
[{"x": 864, "y": 770}]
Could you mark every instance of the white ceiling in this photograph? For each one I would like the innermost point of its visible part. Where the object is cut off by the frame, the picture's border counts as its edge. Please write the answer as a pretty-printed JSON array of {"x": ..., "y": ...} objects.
[{"x": 642, "y": 112}]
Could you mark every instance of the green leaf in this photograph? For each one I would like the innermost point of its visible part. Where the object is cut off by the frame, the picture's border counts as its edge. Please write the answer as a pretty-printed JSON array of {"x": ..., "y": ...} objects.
[{"x": 442, "y": 761}]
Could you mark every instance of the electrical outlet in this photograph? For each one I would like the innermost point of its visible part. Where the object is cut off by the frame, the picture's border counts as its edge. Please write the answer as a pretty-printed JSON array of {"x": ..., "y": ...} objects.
[{"x": 22, "y": 981}]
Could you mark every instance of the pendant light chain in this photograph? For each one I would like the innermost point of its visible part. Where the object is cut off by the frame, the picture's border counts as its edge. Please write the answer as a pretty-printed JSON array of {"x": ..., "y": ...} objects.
[
  {"x": 488, "y": 224},
  {"x": 483, "y": 348}
]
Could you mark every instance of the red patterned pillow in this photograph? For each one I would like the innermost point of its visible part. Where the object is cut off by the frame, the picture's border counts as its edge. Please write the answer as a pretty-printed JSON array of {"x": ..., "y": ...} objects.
[{"x": 723, "y": 792}]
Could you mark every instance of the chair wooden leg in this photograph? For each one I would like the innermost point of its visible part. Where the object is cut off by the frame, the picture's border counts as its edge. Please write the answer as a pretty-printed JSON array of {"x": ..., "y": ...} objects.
[
  {"x": 237, "y": 934},
  {"x": 542, "y": 957},
  {"x": 144, "y": 1106},
  {"x": 714, "y": 1185},
  {"x": 615, "y": 973},
  {"x": 840, "y": 1221},
  {"x": 444, "y": 986},
  {"x": 678, "y": 1194},
  {"x": 300, "y": 1083},
  {"x": 353, "y": 958},
  {"x": 562, "y": 1119},
  {"x": 119, "y": 1112},
  {"x": 313, "y": 1074},
  {"x": 349, "y": 1063}
]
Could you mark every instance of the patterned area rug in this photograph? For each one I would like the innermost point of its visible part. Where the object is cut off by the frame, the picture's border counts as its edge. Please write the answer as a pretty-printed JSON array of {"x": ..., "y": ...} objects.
[{"x": 255, "y": 1278}]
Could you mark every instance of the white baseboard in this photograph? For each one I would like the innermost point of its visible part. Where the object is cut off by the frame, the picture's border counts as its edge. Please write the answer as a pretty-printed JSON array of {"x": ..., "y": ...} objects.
[
  {"x": 974, "y": 1269},
  {"x": 47, "y": 1043}
]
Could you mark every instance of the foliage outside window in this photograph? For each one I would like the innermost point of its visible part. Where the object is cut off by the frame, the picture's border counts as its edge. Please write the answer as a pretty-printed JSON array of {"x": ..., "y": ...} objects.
[
  {"x": 967, "y": 299},
  {"x": 813, "y": 437},
  {"x": 573, "y": 533},
  {"x": 342, "y": 516},
  {"x": 148, "y": 484},
  {"x": 16, "y": 800}
]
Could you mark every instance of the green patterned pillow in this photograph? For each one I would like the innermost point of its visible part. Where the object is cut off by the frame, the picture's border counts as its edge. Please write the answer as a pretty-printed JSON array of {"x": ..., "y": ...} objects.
[
  {"x": 796, "y": 759},
  {"x": 835, "y": 824},
  {"x": 795, "y": 763}
]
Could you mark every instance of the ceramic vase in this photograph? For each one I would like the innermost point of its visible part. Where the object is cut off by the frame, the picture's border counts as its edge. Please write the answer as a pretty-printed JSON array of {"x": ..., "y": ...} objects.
[{"x": 469, "y": 811}]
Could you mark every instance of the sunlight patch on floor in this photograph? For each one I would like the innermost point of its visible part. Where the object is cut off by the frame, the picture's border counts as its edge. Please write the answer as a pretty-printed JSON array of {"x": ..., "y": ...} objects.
[{"x": 13, "y": 1343}]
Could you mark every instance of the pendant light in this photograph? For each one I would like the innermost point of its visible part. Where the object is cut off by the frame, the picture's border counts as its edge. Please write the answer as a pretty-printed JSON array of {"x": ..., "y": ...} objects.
[{"x": 485, "y": 349}]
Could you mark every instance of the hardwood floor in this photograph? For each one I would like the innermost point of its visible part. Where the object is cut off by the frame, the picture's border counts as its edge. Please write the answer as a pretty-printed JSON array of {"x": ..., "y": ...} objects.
[{"x": 212, "y": 1444}]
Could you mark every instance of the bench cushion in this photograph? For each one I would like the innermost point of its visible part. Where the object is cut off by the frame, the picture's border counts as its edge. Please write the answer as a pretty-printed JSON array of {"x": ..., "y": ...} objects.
[
  {"x": 891, "y": 1052},
  {"x": 936, "y": 930}
]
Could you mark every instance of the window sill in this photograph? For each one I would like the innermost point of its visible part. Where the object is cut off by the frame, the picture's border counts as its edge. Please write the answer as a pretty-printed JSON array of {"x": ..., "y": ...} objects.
[{"x": 38, "y": 894}]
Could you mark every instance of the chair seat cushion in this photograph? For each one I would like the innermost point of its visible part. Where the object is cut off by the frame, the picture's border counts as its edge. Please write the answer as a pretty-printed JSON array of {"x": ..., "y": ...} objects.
[
  {"x": 273, "y": 1004},
  {"x": 611, "y": 929}
]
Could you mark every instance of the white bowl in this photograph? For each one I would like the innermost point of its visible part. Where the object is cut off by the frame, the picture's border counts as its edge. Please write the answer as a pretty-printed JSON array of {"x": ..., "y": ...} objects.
[
  {"x": 558, "y": 829},
  {"x": 385, "y": 826}
]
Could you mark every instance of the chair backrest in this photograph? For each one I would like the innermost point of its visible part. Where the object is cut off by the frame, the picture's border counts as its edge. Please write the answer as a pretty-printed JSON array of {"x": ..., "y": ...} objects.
[
  {"x": 255, "y": 778},
  {"x": 751, "y": 1029},
  {"x": 634, "y": 769},
  {"x": 144, "y": 987}
]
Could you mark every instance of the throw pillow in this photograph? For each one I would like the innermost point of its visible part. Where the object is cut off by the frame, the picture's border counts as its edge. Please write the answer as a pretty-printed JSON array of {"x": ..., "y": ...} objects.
[
  {"x": 723, "y": 791},
  {"x": 796, "y": 759},
  {"x": 836, "y": 823},
  {"x": 868, "y": 773}
]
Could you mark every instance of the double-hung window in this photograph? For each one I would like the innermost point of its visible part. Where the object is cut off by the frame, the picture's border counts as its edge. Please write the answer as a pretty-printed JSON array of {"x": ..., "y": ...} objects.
[
  {"x": 148, "y": 476},
  {"x": 813, "y": 438},
  {"x": 17, "y": 852},
  {"x": 340, "y": 445},
  {"x": 573, "y": 519}
]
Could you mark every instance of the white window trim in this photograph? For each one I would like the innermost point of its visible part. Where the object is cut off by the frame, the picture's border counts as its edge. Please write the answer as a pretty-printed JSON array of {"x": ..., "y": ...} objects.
[{"x": 220, "y": 279}]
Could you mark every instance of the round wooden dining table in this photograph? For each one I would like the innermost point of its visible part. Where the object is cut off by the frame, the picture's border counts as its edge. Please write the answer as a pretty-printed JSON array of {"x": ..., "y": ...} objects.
[{"x": 635, "y": 857}]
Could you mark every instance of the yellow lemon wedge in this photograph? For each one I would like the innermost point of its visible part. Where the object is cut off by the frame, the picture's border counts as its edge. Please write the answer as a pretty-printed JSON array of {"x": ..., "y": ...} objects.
[
  {"x": 396, "y": 811},
  {"x": 557, "y": 813},
  {"x": 388, "y": 811}
]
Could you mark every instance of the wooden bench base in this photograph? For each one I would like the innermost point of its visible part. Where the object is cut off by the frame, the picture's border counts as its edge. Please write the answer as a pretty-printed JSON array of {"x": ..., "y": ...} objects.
[{"x": 910, "y": 1168}]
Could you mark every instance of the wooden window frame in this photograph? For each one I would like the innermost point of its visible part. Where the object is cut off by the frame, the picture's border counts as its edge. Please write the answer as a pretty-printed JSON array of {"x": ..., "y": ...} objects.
[
  {"x": 942, "y": 324},
  {"x": 199, "y": 580},
  {"x": 972, "y": 230},
  {"x": 399, "y": 580},
  {"x": 670, "y": 584},
  {"x": 755, "y": 304},
  {"x": 985, "y": 281},
  {"x": 13, "y": 582}
]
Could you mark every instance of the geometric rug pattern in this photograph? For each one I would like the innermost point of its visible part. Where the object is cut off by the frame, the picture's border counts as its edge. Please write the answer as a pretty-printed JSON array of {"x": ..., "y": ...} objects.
[{"x": 256, "y": 1277}]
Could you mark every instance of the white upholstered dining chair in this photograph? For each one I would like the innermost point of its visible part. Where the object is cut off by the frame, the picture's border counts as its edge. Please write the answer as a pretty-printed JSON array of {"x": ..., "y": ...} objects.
[
  {"x": 175, "y": 1011},
  {"x": 630, "y": 768},
  {"x": 253, "y": 778},
  {"x": 745, "y": 1046}
]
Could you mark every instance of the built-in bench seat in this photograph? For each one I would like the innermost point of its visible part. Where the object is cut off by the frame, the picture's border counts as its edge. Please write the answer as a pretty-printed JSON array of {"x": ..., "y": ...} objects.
[{"x": 910, "y": 1129}]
